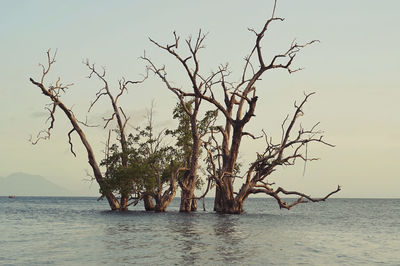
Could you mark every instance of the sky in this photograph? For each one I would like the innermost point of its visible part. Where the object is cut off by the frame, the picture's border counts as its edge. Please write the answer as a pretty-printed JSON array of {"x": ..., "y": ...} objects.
[{"x": 354, "y": 71}]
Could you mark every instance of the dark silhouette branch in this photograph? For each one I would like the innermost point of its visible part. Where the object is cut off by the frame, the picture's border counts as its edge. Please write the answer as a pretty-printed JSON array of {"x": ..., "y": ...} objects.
[
  {"x": 53, "y": 93},
  {"x": 303, "y": 198}
]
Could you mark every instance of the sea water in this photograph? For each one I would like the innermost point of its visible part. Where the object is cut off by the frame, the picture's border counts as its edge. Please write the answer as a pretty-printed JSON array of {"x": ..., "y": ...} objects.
[{"x": 81, "y": 231}]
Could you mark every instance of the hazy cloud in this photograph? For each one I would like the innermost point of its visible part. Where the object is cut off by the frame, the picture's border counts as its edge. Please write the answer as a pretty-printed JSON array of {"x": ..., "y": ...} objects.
[{"x": 39, "y": 114}]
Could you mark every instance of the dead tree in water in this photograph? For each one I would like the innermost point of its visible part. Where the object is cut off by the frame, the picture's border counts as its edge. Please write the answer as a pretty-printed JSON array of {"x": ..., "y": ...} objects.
[
  {"x": 53, "y": 92},
  {"x": 126, "y": 187},
  {"x": 129, "y": 165},
  {"x": 198, "y": 127},
  {"x": 283, "y": 153},
  {"x": 238, "y": 107}
]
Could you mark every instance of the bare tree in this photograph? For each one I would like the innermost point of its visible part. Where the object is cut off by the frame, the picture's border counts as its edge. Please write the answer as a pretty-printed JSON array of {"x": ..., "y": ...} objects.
[
  {"x": 285, "y": 152},
  {"x": 121, "y": 119},
  {"x": 238, "y": 107},
  {"x": 54, "y": 92},
  {"x": 188, "y": 183}
]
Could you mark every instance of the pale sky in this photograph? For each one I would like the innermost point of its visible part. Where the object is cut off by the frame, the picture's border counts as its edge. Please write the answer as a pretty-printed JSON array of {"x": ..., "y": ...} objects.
[{"x": 354, "y": 70}]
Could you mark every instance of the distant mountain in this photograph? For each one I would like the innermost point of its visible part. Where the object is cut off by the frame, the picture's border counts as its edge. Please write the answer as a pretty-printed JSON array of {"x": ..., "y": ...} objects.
[{"x": 21, "y": 184}]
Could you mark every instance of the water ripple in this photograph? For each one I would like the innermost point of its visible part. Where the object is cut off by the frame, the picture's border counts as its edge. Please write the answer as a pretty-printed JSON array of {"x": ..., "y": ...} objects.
[{"x": 78, "y": 231}]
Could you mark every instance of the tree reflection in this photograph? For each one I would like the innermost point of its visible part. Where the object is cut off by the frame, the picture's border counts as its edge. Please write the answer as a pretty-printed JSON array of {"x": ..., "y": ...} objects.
[
  {"x": 190, "y": 238},
  {"x": 229, "y": 247}
]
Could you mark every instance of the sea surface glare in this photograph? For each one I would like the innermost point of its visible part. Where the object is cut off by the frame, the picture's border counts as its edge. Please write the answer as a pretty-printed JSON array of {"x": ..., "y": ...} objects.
[{"x": 81, "y": 231}]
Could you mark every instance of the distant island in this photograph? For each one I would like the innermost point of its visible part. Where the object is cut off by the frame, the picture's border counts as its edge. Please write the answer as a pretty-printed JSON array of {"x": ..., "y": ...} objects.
[{"x": 22, "y": 184}]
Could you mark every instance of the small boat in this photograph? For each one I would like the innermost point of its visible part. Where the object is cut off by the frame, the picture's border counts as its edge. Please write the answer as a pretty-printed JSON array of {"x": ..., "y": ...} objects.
[{"x": 12, "y": 197}]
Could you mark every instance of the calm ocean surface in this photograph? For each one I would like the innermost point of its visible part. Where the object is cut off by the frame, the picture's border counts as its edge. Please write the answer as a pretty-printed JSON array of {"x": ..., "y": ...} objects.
[{"x": 81, "y": 231}]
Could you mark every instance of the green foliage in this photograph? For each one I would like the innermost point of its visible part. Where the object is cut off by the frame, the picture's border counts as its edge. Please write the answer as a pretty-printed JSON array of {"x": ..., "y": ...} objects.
[
  {"x": 150, "y": 162},
  {"x": 184, "y": 136}
]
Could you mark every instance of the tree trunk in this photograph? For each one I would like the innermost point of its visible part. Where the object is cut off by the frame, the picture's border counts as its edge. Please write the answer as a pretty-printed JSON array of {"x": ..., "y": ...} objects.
[
  {"x": 233, "y": 207},
  {"x": 194, "y": 205},
  {"x": 112, "y": 201},
  {"x": 124, "y": 202},
  {"x": 163, "y": 203},
  {"x": 228, "y": 205},
  {"x": 218, "y": 200},
  {"x": 188, "y": 202},
  {"x": 148, "y": 203},
  {"x": 224, "y": 196},
  {"x": 225, "y": 200},
  {"x": 160, "y": 207}
]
